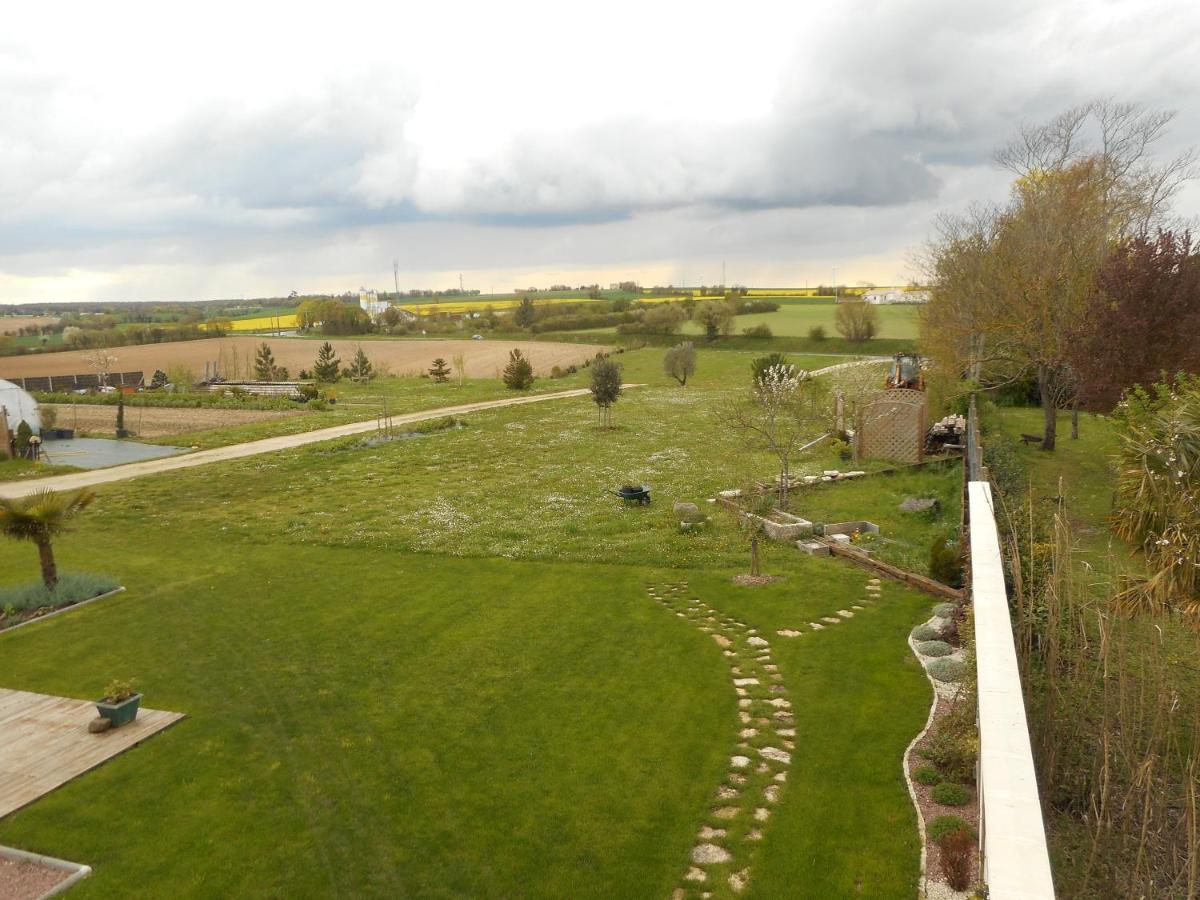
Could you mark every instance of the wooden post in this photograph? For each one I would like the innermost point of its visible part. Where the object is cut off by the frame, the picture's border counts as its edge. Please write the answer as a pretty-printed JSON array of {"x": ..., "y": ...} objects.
[{"x": 6, "y": 437}]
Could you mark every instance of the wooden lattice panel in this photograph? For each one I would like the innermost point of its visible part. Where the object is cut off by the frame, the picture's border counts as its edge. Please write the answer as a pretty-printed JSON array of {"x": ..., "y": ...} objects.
[{"x": 892, "y": 425}]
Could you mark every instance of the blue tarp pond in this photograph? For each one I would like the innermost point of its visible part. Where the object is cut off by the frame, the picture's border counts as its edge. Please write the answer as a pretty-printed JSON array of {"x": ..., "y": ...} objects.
[{"x": 99, "y": 453}]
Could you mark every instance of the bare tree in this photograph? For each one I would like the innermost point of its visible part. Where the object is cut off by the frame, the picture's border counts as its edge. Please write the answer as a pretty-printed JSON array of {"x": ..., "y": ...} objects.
[
  {"x": 783, "y": 413},
  {"x": 102, "y": 362}
]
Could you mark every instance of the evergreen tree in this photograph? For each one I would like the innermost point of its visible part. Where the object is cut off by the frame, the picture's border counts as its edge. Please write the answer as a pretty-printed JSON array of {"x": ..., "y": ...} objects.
[
  {"x": 264, "y": 363},
  {"x": 605, "y": 387},
  {"x": 440, "y": 372},
  {"x": 360, "y": 367},
  {"x": 328, "y": 367},
  {"x": 525, "y": 313},
  {"x": 518, "y": 374},
  {"x": 159, "y": 379}
]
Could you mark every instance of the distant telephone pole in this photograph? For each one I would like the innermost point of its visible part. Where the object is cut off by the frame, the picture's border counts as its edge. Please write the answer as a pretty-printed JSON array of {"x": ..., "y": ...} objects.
[
  {"x": 396, "y": 277},
  {"x": 722, "y": 273}
]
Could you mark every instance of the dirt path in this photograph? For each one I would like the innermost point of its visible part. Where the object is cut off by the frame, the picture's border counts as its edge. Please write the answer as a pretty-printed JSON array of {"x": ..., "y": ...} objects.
[{"x": 78, "y": 480}]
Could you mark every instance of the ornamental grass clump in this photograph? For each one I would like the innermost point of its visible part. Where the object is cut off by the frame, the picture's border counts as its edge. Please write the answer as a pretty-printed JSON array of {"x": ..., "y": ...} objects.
[
  {"x": 944, "y": 825},
  {"x": 927, "y": 775},
  {"x": 924, "y": 633},
  {"x": 934, "y": 648},
  {"x": 1158, "y": 497},
  {"x": 947, "y": 670},
  {"x": 949, "y": 794},
  {"x": 71, "y": 587}
]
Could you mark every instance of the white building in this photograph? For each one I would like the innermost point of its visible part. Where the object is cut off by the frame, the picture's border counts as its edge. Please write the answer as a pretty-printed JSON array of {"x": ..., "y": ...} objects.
[
  {"x": 18, "y": 406},
  {"x": 371, "y": 303},
  {"x": 884, "y": 296}
]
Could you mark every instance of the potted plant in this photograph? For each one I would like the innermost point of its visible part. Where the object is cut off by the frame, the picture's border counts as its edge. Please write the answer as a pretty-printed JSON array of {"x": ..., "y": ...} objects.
[{"x": 119, "y": 704}]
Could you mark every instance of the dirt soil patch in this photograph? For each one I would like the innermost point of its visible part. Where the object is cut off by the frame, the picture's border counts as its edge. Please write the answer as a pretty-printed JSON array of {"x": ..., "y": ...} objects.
[
  {"x": 154, "y": 421},
  {"x": 26, "y": 880},
  {"x": 235, "y": 356}
]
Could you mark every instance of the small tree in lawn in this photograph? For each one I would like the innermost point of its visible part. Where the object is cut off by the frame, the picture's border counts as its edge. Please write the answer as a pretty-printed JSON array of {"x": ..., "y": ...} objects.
[
  {"x": 460, "y": 367},
  {"x": 605, "y": 387},
  {"x": 328, "y": 367},
  {"x": 264, "y": 362},
  {"x": 755, "y": 508},
  {"x": 439, "y": 371},
  {"x": 39, "y": 518},
  {"x": 121, "y": 415},
  {"x": 518, "y": 374},
  {"x": 360, "y": 367},
  {"x": 783, "y": 413},
  {"x": 680, "y": 362}
]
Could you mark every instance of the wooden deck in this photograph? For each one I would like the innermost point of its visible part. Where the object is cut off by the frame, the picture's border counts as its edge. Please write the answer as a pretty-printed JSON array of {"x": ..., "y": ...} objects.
[{"x": 44, "y": 743}]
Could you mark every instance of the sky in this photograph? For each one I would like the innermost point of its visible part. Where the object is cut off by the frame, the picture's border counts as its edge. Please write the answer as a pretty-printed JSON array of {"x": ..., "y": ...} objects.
[{"x": 156, "y": 151}]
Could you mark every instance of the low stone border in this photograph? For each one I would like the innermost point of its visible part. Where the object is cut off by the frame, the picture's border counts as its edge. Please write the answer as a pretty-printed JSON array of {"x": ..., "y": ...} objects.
[
  {"x": 76, "y": 871},
  {"x": 929, "y": 887},
  {"x": 64, "y": 609}
]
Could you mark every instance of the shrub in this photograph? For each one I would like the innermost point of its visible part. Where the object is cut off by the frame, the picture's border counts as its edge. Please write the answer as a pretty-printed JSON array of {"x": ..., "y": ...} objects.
[
  {"x": 947, "y": 669},
  {"x": 945, "y": 610},
  {"x": 956, "y": 848},
  {"x": 944, "y": 825},
  {"x": 518, "y": 374},
  {"x": 817, "y": 333},
  {"x": 432, "y": 426},
  {"x": 72, "y": 587},
  {"x": 927, "y": 775},
  {"x": 763, "y": 363},
  {"x": 762, "y": 330},
  {"x": 925, "y": 633},
  {"x": 318, "y": 405},
  {"x": 945, "y": 562},
  {"x": 934, "y": 648},
  {"x": 953, "y": 752},
  {"x": 856, "y": 321},
  {"x": 949, "y": 794},
  {"x": 118, "y": 691}
]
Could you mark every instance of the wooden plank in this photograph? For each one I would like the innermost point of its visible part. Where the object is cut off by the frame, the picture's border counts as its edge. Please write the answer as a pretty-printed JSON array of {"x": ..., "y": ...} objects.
[{"x": 44, "y": 743}]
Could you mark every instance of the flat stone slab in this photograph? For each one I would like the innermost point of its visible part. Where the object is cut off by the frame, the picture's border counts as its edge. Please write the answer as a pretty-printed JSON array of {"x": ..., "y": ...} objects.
[
  {"x": 758, "y": 642},
  {"x": 776, "y": 755},
  {"x": 788, "y": 633},
  {"x": 710, "y": 855}
]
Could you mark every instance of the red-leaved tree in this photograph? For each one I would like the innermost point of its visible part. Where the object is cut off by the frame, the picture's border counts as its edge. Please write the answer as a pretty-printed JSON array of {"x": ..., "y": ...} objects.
[{"x": 1141, "y": 319}]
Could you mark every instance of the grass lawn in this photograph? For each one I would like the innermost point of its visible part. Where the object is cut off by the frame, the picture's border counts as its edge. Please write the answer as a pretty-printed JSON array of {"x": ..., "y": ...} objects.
[
  {"x": 20, "y": 469},
  {"x": 430, "y": 668},
  {"x": 1084, "y": 467},
  {"x": 905, "y": 537},
  {"x": 796, "y": 319}
]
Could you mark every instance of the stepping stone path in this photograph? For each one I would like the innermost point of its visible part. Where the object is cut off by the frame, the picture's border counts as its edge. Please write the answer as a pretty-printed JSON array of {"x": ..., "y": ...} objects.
[{"x": 754, "y": 781}]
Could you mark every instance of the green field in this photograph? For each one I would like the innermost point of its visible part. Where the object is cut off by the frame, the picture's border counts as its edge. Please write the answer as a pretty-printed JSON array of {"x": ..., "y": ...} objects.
[
  {"x": 795, "y": 319},
  {"x": 430, "y": 667}
]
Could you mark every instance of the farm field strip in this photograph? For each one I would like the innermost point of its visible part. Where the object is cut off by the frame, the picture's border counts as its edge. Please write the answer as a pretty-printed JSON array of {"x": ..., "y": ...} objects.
[{"x": 484, "y": 359}]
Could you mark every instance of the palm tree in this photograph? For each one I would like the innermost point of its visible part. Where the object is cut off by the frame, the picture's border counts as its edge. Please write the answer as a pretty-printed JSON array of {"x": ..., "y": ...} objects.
[{"x": 41, "y": 517}]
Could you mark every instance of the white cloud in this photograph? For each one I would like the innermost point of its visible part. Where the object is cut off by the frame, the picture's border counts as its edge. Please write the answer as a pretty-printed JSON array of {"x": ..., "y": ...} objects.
[{"x": 254, "y": 148}]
